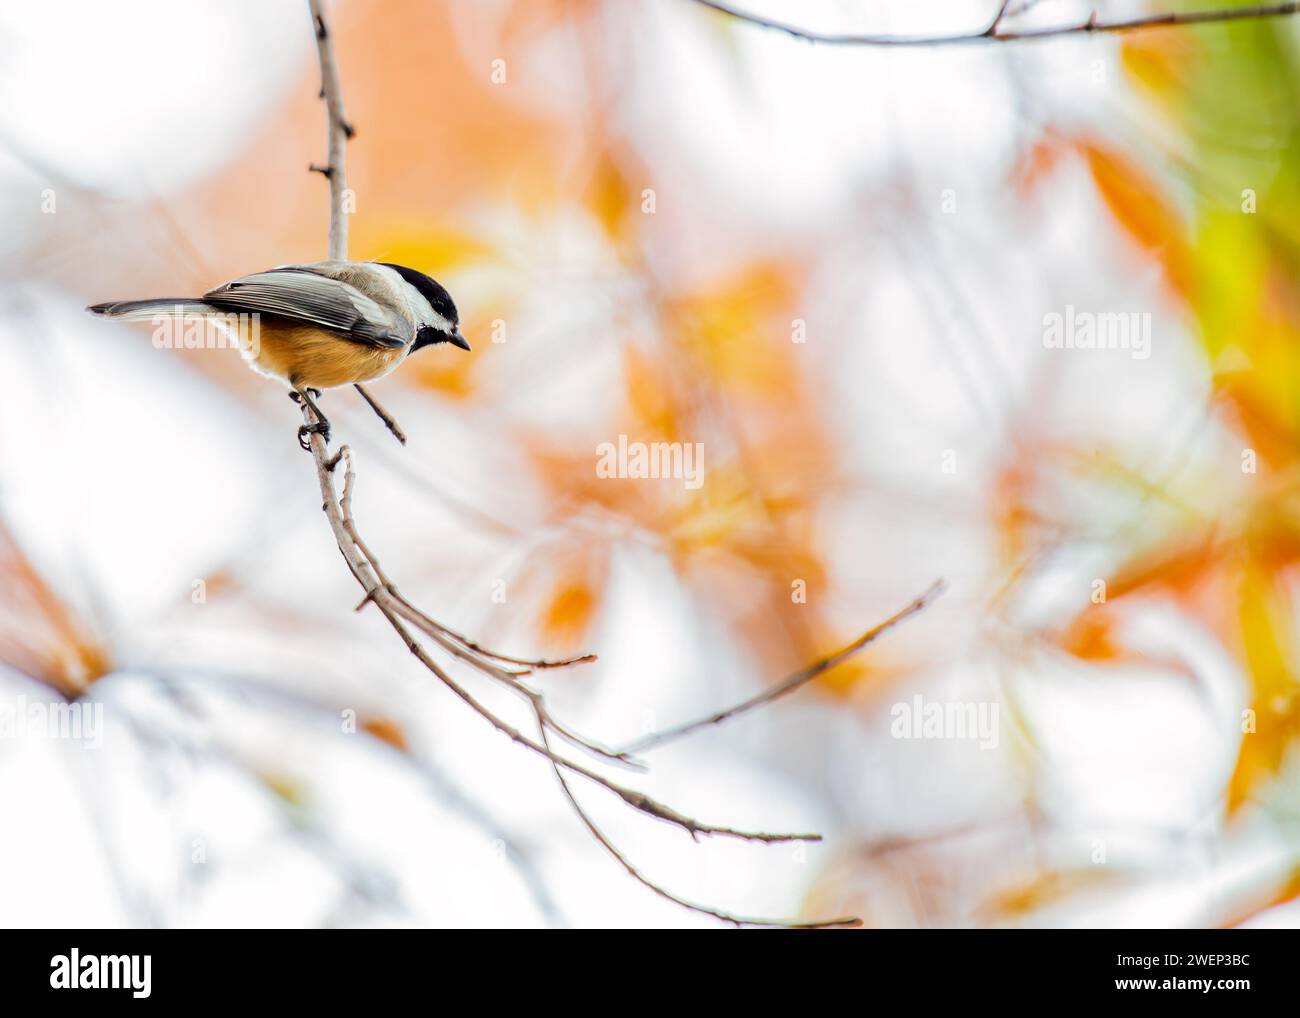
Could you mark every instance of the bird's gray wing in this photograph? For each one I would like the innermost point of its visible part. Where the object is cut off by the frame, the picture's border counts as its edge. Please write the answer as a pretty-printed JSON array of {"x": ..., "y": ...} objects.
[{"x": 301, "y": 295}]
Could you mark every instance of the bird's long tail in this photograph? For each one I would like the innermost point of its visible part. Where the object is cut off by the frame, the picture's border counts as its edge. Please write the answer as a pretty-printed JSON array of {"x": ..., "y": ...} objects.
[{"x": 149, "y": 310}]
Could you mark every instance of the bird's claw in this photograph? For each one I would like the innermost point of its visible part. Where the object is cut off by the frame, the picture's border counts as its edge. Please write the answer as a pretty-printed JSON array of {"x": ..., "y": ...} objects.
[{"x": 305, "y": 432}]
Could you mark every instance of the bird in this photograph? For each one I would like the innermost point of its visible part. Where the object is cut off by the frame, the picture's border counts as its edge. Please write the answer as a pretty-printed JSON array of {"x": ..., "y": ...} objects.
[{"x": 319, "y": 325}]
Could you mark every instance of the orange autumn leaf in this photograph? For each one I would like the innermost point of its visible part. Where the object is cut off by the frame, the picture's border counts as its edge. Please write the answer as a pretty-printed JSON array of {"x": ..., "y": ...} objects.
[
  {"x": 575, "y": 584},
  {"x": 1138, "y": 204},
  {"x": 1263, "y": 424},
  {"x": 609, "y": 196},
  {"x": 387, "y": 731},
  {"x": 1038, "y": 161},
  {"x": 1092, "y": 637},
  {"x": 220, "y": 582},
  {"x": 40, "y": 635},
  {"x": 1282, "y": 894},
  {"x": 568, "y": 614},
  {"x": 1045, "y": 891},
  {"x": 648, "y": 385},
  {"x": 1180, "y": 566}
]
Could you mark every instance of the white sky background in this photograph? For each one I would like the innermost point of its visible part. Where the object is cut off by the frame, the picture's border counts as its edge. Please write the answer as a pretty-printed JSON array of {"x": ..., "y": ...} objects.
[{"x": 761, "y": 137}]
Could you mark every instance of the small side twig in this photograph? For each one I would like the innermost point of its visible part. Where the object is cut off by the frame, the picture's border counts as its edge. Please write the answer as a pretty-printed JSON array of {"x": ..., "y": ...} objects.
[
  {"x": 663, "y": 892},
  {"x": 369, "y": 575},
  {"x": 992, "y": 30},
  {"x": 449, "y": 641},
  {"x": 390, "y": 422},
  {"x": 792, "y": 682}
]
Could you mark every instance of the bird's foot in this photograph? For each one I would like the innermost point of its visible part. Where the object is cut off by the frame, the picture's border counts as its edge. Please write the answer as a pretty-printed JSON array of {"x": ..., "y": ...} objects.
[{"x": 305, "y": 432}]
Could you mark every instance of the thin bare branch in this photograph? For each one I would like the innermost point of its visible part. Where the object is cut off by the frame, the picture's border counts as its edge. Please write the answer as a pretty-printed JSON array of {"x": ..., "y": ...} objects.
[
  {"x": 995, "y": 33},
  {"x": 340, "y": 131},
  {"x": 369, "y": 575},
  {"x": 438, "y": 633},
  {"x": 663, "y": 892},
  {"x": 794, "y": 681},
  {"x": 997, "y": 18},
  {"x": 389, "y": 421},
  {"x": 527, "y": 665},
  {"x": 511, "y": 681}
]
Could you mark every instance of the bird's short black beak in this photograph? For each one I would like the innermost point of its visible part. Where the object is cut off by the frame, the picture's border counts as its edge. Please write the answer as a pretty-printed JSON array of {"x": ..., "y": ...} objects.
[{"x": 458, "y": 340}]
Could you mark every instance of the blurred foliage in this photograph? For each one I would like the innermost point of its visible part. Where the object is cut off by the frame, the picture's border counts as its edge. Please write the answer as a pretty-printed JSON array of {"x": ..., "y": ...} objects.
[{"x": 1229, "y": 98}]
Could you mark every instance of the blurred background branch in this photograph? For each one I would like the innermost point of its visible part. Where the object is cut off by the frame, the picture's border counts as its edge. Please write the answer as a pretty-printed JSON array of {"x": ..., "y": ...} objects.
[{"x": 996, "y": 33}]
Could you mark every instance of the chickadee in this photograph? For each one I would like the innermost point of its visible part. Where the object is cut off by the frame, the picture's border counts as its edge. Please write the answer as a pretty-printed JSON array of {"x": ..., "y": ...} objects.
[{"x": 318, "y": 326}]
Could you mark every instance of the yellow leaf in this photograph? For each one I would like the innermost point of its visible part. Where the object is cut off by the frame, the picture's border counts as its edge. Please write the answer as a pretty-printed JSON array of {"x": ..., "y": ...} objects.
[
  {"x": 740, "y": 331},
  {"x": 284, "y": 787},
  {"x": 1275, "y": 701},
  {"x": 609, "y": 196},
  {"x": 1161, "y": 62},
  {"x": 432, "y": 249}
]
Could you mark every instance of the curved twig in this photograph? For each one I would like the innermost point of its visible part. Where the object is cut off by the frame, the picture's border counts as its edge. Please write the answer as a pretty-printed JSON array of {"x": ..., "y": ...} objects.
[
  {"x": 794, "y": 681},
  {"x": 663, "y": 892},
  {"x": 368, "y": 576}
]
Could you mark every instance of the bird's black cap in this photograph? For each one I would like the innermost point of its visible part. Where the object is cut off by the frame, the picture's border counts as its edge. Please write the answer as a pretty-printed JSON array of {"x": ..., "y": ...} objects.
[{"x": 430, "y": 289}]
